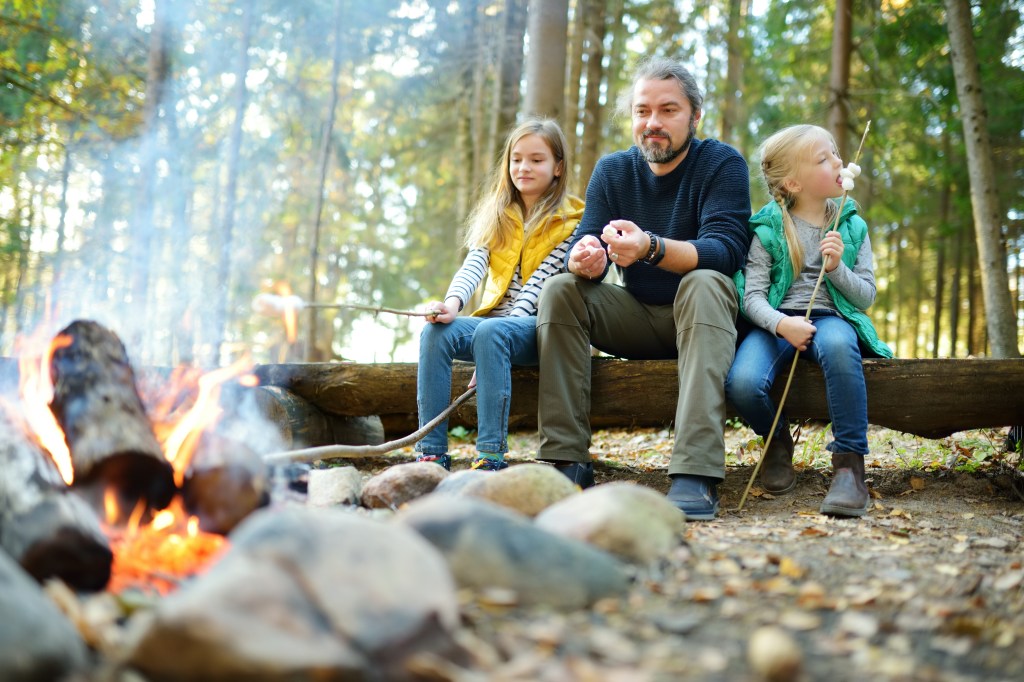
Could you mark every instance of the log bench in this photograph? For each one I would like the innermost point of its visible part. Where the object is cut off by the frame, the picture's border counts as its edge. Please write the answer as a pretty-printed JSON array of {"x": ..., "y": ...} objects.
[{"x": 932, "y": 398}]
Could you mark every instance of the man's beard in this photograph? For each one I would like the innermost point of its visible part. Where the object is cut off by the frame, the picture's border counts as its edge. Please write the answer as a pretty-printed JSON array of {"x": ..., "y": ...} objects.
[{"x": 659, "y": 155}]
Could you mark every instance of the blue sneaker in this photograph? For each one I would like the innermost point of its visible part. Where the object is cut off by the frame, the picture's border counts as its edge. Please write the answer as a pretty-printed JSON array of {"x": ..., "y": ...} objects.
[
  {"x": 695, "y": 496},
  {"x": 443, "y": 460},
  {"x": 485, "y": 463}
]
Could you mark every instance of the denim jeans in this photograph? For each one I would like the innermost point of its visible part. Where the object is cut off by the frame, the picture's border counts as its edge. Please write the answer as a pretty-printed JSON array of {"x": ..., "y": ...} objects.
[
  {"x": 834, "y": 347},
  {"x": 494, "y": 344}
]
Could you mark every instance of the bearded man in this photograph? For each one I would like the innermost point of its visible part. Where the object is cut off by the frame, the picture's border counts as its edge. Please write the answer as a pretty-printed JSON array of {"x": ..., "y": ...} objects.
[{"x": 671, "y": 213}]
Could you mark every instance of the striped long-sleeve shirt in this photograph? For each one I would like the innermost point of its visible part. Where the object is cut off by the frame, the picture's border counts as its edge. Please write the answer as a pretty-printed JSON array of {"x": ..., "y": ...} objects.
[{"x": 521, "y": 297}]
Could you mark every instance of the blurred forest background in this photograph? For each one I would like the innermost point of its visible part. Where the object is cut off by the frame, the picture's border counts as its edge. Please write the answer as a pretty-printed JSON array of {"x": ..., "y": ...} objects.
[{"x": 164, "y": 161}]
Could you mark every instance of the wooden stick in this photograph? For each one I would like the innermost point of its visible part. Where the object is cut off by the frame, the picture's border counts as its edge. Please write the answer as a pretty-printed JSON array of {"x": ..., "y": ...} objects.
[
  {"x": 796, "y": 356},
  {"x": 351, "y": 451},
  {"x": 371, "y": 308}
]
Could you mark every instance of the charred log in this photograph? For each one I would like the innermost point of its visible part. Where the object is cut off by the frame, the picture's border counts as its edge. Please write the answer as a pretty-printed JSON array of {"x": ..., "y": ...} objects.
[
  {"x": 109, "y": 435},
  {"x": 44, "y": 526},
  {"x": 226, "y": 481}
]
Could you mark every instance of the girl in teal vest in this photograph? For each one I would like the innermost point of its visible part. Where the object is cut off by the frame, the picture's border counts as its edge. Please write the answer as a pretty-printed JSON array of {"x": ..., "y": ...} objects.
[
  {"x": 517, "y": 238},
  {"x": 804, "y": 174}
]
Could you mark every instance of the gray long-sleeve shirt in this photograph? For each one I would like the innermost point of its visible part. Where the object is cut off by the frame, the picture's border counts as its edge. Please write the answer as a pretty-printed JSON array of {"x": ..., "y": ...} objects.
[{"x": 857, "y": 285}]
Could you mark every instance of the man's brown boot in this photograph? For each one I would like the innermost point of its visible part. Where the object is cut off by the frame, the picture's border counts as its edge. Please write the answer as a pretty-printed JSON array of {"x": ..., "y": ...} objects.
[
  {"x": 777, "y": 475},
  {"x": 848, "y": 494}
]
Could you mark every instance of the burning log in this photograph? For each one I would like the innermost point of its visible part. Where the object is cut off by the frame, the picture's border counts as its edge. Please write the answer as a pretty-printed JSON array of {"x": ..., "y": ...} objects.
[
  {"x": 109, "y": 435},
  {"x": 44, "y": 526},
  {"x": 226, "y": 482}
]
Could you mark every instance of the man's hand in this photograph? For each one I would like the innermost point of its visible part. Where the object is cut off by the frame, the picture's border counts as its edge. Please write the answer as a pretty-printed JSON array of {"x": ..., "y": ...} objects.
[
  {"x": 626, "y": 242},
  {"x": 797, "y": 331},
  {"x": 588, "y": 258}
]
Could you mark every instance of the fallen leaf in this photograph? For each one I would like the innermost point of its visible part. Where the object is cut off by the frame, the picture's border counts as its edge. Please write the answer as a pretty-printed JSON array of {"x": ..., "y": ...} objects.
[
  {"x": 916, "y": 483},
  {"x": 791, "y": 569}
]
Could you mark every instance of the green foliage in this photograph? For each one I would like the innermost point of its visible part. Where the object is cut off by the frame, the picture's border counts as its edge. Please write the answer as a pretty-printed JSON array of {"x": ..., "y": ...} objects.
[{"x": 412, "y": 141}]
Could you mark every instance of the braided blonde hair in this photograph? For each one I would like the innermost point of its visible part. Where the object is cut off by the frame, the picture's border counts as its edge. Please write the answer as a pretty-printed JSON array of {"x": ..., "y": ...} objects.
[{"x": 781, "y": 156}]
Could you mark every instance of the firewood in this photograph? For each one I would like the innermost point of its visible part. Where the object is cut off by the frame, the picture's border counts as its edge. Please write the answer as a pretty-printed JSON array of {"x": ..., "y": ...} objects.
[
  {"x": 44, "y": 526},
  {"x": 302, "y": 424},
  {"x": 225, "y": 482},
  {"x": 109, "y": 435}
]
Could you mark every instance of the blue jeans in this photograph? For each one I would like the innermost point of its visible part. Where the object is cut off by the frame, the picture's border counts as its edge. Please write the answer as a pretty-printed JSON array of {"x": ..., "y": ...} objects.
[
  {"x": 494, "y": 344},
  {"x": 834, "y": 347}
]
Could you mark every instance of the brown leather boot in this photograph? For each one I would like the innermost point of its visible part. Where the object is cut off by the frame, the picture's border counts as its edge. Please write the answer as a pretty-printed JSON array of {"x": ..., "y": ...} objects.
[
  {"x": 848, "y": 494},
  {"x": 777, "y": 475}
]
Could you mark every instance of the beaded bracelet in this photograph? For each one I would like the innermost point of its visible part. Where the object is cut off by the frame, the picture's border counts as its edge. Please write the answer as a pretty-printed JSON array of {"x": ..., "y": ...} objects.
[
  {"x": 652, "y": 250},
  {"x": 657, "y": 250}
]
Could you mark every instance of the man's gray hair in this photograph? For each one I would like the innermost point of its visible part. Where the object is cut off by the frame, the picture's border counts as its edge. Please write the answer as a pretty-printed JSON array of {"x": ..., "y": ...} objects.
[{"x": 661, "y": 69}]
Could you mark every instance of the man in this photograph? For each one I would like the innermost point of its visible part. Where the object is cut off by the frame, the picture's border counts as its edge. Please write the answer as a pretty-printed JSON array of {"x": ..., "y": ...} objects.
[{"x": 671, "y": 212}]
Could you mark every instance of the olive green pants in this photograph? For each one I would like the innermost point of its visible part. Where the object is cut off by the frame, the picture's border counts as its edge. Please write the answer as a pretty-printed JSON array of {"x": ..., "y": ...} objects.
[{"x": 699, "y": 329}]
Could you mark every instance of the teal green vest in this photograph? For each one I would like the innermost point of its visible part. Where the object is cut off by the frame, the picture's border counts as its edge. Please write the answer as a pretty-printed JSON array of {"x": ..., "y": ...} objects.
[{"x": 766, "y": 225}]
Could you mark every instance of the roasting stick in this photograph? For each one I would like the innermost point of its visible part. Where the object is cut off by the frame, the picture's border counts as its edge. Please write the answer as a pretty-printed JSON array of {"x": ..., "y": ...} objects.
[
  {"x": 352, "y": 451},
  {"x": 796, "y": 356},
  {"x": 274, "y": 305}
]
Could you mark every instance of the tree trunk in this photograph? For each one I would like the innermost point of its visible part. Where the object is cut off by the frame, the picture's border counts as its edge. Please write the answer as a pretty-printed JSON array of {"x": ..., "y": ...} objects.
[
  {"x": 240, "y": 98},
  {"x": 577, "y": 41},
  {"x": 839, "y": 79},
  {"x": 1001, "y": 324},
  {"x": 592, "y": 124},
  {"x": 547, "y": 27},
  {"x": 510, "y": 73},
  {"x": 954, "y": 294},
  {"x": 733, "y": 72},
  {"x": 312, "y": 351},
  {"x": 144, "y": 227}
]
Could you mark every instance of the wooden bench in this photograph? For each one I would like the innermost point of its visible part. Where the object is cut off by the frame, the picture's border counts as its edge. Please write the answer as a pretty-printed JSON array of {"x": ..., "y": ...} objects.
[{"x": 932, "y": 398}]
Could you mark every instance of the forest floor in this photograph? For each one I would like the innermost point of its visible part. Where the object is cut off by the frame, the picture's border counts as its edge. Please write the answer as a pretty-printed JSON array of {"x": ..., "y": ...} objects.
[{"x": 929, "y": 585}]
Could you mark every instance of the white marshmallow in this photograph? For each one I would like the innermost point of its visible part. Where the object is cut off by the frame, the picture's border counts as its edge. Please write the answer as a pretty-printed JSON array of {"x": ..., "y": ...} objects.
[
  {"x": 854, "y": 168},
  {"x": 274, "y": 305},
  {"x": 847, "y": 173},
  {"x": 847, "y": 184}
]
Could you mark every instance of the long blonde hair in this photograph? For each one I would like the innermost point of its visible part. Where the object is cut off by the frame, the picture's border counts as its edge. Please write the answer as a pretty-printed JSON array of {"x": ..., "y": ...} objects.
[
  {"x": 489, "y": 224},
  {"x": 781, "y": 156}
]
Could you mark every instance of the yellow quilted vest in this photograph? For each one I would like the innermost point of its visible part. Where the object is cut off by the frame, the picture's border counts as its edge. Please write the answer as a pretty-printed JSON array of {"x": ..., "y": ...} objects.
[{"x": 529, "y": 255}]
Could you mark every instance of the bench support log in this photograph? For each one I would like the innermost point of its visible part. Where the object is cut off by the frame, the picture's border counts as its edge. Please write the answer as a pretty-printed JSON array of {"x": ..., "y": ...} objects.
[{"x": 932, "y": 398}]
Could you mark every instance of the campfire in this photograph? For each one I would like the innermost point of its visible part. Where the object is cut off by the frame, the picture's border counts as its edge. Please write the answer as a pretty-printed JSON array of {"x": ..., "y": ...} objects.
[{"x": 106, "y": 490}]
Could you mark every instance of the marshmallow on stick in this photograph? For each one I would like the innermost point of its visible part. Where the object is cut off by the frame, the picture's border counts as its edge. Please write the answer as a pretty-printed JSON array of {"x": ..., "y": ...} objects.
[{"x": 274, "y": 305}]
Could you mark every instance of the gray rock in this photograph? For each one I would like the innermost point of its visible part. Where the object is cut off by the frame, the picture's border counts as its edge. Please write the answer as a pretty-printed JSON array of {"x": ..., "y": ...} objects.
[
  {"x": 334, "y": 486},
  {"x": 37, "y": 642},
  {"x": 304, "y": 594},
  {"x": 631, "y": 521},
  {"x": 458, "y": 481},
  {"x": 493, "y": 548},
  {"x": 526, "y": 488},
  {"x": 401, "y": 483}
]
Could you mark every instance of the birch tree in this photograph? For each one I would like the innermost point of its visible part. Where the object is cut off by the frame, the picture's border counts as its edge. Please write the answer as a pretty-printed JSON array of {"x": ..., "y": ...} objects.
[{"x": 995, "y": 282}]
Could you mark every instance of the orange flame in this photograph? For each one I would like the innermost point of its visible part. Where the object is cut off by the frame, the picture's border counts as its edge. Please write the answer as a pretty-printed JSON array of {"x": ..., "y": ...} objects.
[
  {"x": 36, "y": 388},
  {"x": 179, "y": 447},
  {"x": 162, "y": 554}
]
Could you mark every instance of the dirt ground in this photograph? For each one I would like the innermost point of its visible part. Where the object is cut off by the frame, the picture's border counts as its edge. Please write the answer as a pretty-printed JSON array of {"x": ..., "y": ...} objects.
[{"x": 929, "y": 585}]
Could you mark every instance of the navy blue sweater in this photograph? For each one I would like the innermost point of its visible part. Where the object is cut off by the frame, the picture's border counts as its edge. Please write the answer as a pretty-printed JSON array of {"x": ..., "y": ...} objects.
[{"x": 705, "y": 200}]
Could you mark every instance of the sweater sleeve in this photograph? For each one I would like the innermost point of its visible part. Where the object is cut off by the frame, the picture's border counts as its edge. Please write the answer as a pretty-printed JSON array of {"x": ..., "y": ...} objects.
[
  {"x": 858, "y": 284},
  {"x": 723, "y": 237},
  {"x": 469, "y": 276}
]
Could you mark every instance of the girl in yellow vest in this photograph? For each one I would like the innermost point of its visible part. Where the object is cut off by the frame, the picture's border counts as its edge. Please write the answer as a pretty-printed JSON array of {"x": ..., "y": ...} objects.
[{"x": 517, "y": 238}]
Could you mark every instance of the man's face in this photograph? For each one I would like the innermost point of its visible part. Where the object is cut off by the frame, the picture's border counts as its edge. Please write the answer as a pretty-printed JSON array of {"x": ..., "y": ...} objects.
[{"x": 663, "y": 122}]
